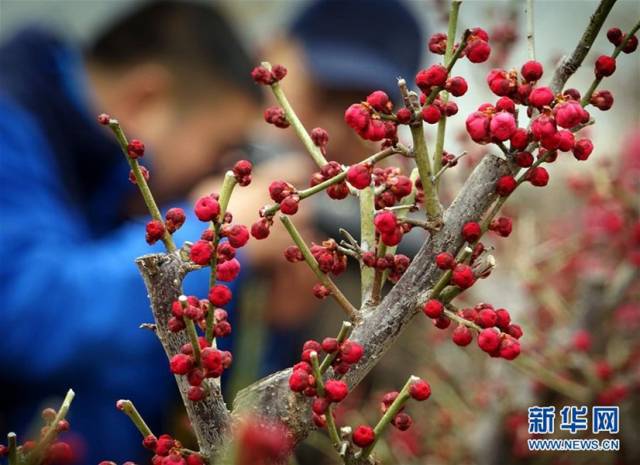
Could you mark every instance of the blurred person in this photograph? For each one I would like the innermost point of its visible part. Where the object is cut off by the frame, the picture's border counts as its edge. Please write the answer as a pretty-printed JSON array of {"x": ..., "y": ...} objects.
[
  {"x": 177, "y": 77},
  {"x": 336, "y": 57}
]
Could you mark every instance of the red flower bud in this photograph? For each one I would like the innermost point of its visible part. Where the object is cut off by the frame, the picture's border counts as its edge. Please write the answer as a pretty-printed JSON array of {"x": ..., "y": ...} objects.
[
  {"x": 320, "y": 137},
  {"x": 207, "y": 208},
  {"x": 335, "y": 390},
  {"x": 531, "y": 71},
  {"x": 582, "y": 149},
  {"x": 320, "y": 291},
  {"x": 506, "y": 185},
  {"x": 357, "y": 117},
  {"x": 403, "y": 115},
  {"x": 154, "y": 231},
  {"x": 463, "y": 276},
  {"x": 486, "y": 318},
  {"x": 431, "y": 114},
  {"x": 201, "y": 252},
  {"x": 509, "y": 348},
  {"x": 276, "y": 116},
  {"x": 569, "y": 114},
  {"x": 502, "y": 126},
  {"x": 434, "y": 75},
  {"x": 445, "y": 261},
  {"x": 420, "y": 390},
  {"x": 402, "y": 421},
  {"x": 174, "y": 219},
  {"x": 582, "y": 340},
  {"x": 278, "y": 72},
  {"x": 433, "y": 308},
  {"x": 438, "y": 43},
  {"x": 478, "y": 127},
  {"x": 228, "y": 271},
  {"x": 363, "y": 436},
  {"x": 104, "y": 118},
  {"x": 605, "y": 66},
  {"x": 462, "y": 336},
  {"x": 524, "y": 159},
  {"x": 194, "y": 394},
  {"x": 489, "y": 340},
  {"x": 293, "y": 254},
  {"x": 602, "y": 99},
  {"x": 538, "y": 176},
  {"x": 471, "y": 231},
  {"x": 289, "y": 205},
  {"x": 502, "y": 226},
  {"x": 262, "y": 75},
  {"x": 180, "y": 364},
  {"x": 477, "y": 51},
  {"x": 260, "y": 229},
  {"x": 299, "y": 380},
  {"x": 541, "y": 96},
  {"x": 385, "y": 222},
  {"x": 220, "y": 295},
  {"x": 615, "y": 36},
  {"x": 359, "y": 175},
  {"x": 135, "y": 149},
  {"x": 330, "y": 344},
  {"x": 143, "y": 171},
  {"x": 351, "y": 352},
  {"x": 519, "y": 139},
  {"x": 379, "y": 101},
  {"x": 456, "y": 86},
  {"x": 505, "y": 104}
]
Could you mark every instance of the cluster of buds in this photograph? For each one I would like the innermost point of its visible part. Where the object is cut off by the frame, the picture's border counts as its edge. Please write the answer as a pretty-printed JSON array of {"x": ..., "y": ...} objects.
[
  {"x": 477, "y": 48},
  {"x": 173, "y": 220},
  {"x": 168, "y": 451},
  {"x": 342, "y": 354},
  {"x": 391, "y": 186},
  {"x": 497, "y": 336},
  {"x": 268, "y": 76},
  {"x": 197, "y": 365},
  {"x": 373, "y": 118},
  {"x": 49, "y": 450},
  {"x": 389, "y": 228},
  {"x": 396, "y": 264},
  {"x": 332, "y": 169},
  {"x": 417, "y": 389}
]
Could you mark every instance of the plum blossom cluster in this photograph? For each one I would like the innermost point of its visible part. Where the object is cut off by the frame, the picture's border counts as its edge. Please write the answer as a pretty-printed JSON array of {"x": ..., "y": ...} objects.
[
  {"x": 49, "y": 449},
  {"x": 341, "y": 354}
]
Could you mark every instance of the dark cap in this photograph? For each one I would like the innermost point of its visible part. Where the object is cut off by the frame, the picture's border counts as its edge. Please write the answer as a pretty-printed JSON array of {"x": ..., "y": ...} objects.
[{"x": 359, "y": 44}]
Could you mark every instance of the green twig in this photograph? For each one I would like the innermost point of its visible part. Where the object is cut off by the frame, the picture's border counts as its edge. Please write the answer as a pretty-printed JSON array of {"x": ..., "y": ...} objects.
[
  {"x": 336, "y": 293},
  {"x": 35, "y": 457},
  {"x": 331, "y": 424},
  {"x": 141, "y": 182},
  {"x": 191, "y": 330},
  {"x": 343, "y": 335},
  {"x": 130, "y": 410},
  {"x": 392, "y": 411},
  {"x": 295, "y": 122},
  {"x": 367, "y": 243}
]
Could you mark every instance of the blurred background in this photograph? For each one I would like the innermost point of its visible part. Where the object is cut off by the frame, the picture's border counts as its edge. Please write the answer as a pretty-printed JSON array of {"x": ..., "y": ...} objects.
[{"x": 567, "y": 273}]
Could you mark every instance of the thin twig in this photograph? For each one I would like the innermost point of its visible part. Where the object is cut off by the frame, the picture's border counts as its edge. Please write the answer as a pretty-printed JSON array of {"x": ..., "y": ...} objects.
[{"x": 336, "y": 293}]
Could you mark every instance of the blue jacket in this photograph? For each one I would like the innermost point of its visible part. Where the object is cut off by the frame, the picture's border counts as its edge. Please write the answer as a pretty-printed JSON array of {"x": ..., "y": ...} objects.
[{"x": 72, "y": 298}]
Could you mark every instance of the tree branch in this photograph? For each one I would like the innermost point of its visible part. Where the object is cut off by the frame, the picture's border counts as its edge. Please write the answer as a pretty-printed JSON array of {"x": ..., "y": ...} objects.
[
  {"x": 570, "y": 65},
  {"x": 163, "y": 275},
  {"x": 377, "y": 330}
]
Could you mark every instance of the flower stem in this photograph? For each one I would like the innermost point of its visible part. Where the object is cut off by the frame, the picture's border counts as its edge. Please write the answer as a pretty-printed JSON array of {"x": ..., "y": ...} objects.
[
  {"x": 343, "y": 335},
  {"x": 12, "y": 443},
  {"x": 295, "y": 122},
  {"x": 228, "y": 184},
  {"x": 392, "y": 411},
  {"x": 130, "y": 410},
  {"x": 191, "y": 330},
  {"x": 35, "y": 457},
  {"x": 303, "y": 194},
  {"x": 431, "y": 202},
  {"x": 141, "y": 182},
  {"x": 331, "y": 424},
  {"x": 336, "y": 293},
  {"x": 531, "y": 43},
  {"x": 586, "y": 99}
]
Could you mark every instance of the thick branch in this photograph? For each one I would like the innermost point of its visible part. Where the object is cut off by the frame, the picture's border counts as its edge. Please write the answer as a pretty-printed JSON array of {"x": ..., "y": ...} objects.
[
  {"x": 377, "y": 330},
  {"x": 571, "y": 64},
  {"x": 163, "y": 275}
]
